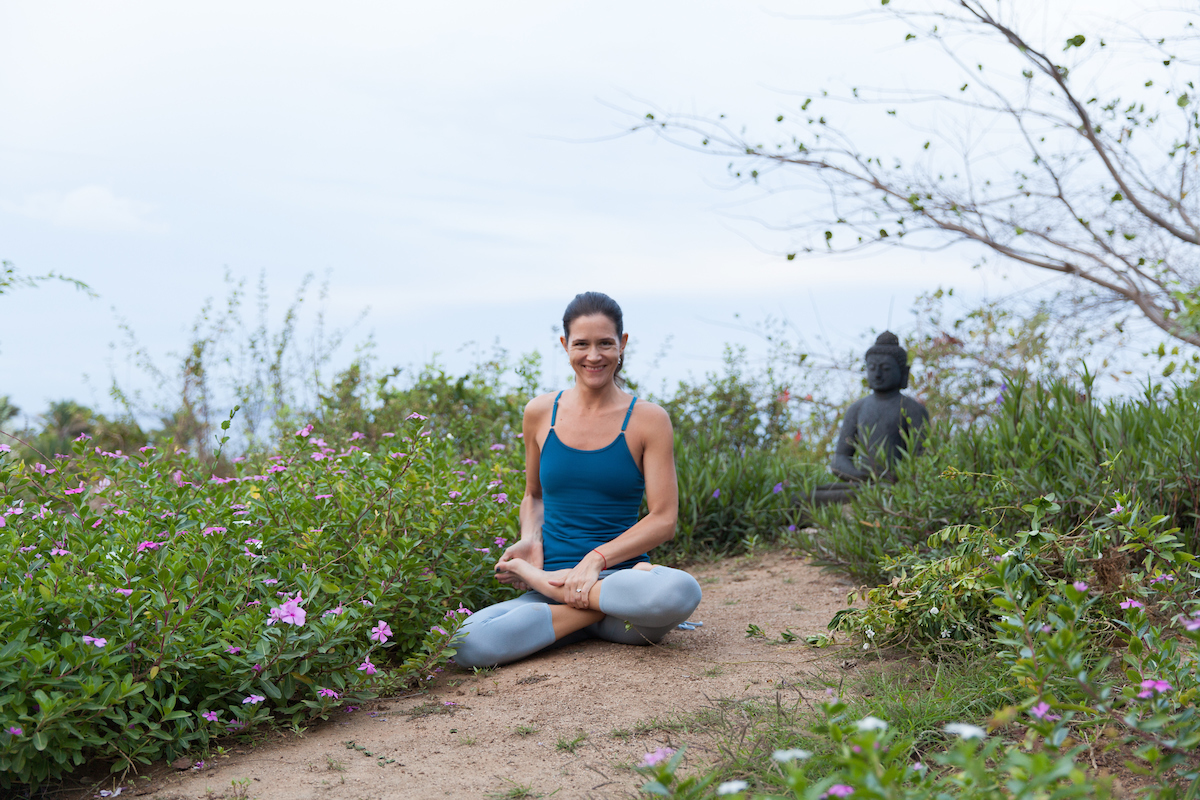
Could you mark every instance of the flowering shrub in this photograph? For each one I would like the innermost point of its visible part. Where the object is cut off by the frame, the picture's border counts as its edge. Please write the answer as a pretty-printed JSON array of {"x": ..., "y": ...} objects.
[
  {"x": 1058, "y": 636},
  {"x": 148, "y": 605}
]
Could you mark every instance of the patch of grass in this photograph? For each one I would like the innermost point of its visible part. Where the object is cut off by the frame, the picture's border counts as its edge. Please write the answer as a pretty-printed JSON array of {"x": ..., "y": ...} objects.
[
  {"x": 733, "y": 601},
  {"x": 429, "y": 709},
  {"x": 714, "y": 671},
  {"x": 333, "y": 765},
  {"x": 569, "y": 745},
  {"x": 517, "y": 791},
  {"x": 709, "y": 579},
  {"x": 526, "y": 730},
  {"x": 621, "y": 733}
]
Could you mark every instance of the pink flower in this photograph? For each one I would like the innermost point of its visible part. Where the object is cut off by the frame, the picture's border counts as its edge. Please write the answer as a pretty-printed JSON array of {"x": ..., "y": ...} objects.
[
  {"x": 496, "y": 447},
  {"x": 58, "y": 551},
  {"x": 148, "y": 546},
  {"x": 1042, "y": 711},
  {"x": 254, "y": 699},
  {"x": 328, "y": 693},
  {"x": 357, "y": 435},
  {"x": 381, "y": 632},
  {"x": 502, "y": 497},
  {"x": 317, "y": 456},
  {"x": 387, "y": 435},
  {"x": 415, "y": 415},
  {"x": 468, "y": 461},
  {"x": 1190, "y": 624},
  {"x": 839, "y": 790},
  {"x": 15, "y": 730},
  {"x": 1153, "y": 687},
  {"x": 255, "y": 542},
  {"x": 83, "y": 437},
  {"x": 1131, "y": 604},
  {"x": 323, "y": 497},
  {"x": 211, "y": 716},
  {"x": 305, "y": 431},
  {"x": 125, "y": 592},
  {"x": 76, "y": 490},
  {"x": 481, "y": 549},
  {"x": 29, "y": 547},
  {"x": 233, "y": 650},
  {"x": 42, "y": 469},
  {"x": 453, "y": 495},
  {"x": 258, "y": 669},
  {"x": 277, "y": 468},
  {"x": 5, "y": 448},
  {"x": 1117, "y": 509},
  {"x": 1080, "y": 586},
  {"x": 333, "y": 612},
  {"x": 367, "y": 667},
  {"x": 499, "y": 541},
  {"x": 290, "y": 613},
  {"x": 661, "y": 754},
  {"x": 440, "y": 630},
  {"x": 366, "y": 602},
  {"x": 270, "y": 581},
  {"x": 95, "y": 640}
]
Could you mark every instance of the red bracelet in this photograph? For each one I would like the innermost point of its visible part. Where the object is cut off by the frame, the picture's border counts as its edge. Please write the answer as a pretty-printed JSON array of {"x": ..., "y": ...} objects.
[{"x": 597, "y": 552}]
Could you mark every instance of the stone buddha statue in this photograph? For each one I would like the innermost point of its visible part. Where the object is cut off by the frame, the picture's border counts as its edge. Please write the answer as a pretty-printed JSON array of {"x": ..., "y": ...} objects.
[{"x": 877, "y": 428}]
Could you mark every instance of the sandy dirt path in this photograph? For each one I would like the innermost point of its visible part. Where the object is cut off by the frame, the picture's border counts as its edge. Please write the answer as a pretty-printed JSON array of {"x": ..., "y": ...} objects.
[{"x": 511, "y": 727}]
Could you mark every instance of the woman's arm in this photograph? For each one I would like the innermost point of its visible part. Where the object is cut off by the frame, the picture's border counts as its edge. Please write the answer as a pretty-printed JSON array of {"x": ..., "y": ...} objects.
[
  {"x": 529, "y": 547},
  {"x": 662, "y": 500}
]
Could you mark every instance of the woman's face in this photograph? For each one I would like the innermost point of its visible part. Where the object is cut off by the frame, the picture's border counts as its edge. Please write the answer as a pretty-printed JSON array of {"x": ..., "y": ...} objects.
[{"x": 594, "y": 350}]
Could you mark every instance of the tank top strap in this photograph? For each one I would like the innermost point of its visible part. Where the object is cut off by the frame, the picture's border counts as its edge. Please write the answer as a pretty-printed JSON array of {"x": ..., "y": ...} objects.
[
  {"x": 554, "y": 413},
  {"x": 628, "y": 414}
]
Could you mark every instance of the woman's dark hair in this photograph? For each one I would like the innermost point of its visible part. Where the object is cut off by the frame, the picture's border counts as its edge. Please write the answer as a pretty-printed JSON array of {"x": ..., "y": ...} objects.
[{"x": 589, "y": 303}]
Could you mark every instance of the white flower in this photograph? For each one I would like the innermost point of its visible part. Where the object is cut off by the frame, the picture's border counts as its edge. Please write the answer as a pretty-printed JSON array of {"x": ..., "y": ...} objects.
[
  {"x": 866, "y": 645},
  {"x": 934, "y": 611},
  {"x": 732, "y": 787},
  {"x": 870, "y": 633},
  {"x": 945, "y": 633},
  {"x": 965, "y": 731},
  {"x": 871, "y": 724},
  {"x": 784, "y": 756}
]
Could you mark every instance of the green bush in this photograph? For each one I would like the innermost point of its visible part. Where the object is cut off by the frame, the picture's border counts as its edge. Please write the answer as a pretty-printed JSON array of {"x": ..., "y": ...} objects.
[
  {"x": 138, "y": 601},
  {"x": 1046, "y": 439}
]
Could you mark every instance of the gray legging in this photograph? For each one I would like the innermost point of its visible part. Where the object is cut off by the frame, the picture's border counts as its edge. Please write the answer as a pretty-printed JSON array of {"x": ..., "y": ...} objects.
[{"x": 653, "y": 602}]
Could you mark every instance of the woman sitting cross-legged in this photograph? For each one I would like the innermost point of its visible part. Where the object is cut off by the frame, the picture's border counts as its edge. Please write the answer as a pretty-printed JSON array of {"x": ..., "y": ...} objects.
[{"x": 590, "y": 453}]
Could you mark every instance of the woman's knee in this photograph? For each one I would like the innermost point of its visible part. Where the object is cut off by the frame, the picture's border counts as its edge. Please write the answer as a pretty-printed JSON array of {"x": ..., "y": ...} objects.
[{"x": 660, "y": 598}]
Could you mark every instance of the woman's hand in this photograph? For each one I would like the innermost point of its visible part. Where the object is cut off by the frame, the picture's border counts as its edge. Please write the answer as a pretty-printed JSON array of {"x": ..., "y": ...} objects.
[
  {"x": 578, "y": 581},
  {"x": 527, "y": 549}
]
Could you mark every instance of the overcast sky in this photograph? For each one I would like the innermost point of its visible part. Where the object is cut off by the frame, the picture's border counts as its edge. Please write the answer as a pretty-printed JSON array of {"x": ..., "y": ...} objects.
[{"x": 455, "y": 167}]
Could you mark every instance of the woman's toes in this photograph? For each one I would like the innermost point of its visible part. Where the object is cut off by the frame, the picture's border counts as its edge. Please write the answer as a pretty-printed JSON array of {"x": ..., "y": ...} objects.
[{"x": 644, "y": 565}]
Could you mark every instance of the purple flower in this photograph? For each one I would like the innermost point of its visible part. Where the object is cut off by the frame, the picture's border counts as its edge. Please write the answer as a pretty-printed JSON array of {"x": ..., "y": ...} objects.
[
  {"x": 15, "y": 730},
  {"x": 482, "y": 549},
  {"x": 367, "y": 667},
  {"x": 659, "y": 755},
  {"x": 366, "y": 602},
  {"x": 58, "y": 551},
  {"x": 496, "y": 447},
  {"x": 716, "y": 494},
  {"x": 27, "y": 548},
  {"x": 1168, "y": 577},
  {"x": 1131, "y": 604},
  {"x": 1191, "y": 624},
  {"x": 1117, "y": 509},
  {"x": 233, "y": 650},
  {"x": 468, "y": 461},
  {"x": 332, "y": 612},
  {"x": 290, "y": 613},
  {"x": 357, "y": 435},
  {"x": 328, "y": 693},
  {"x": 396, "y": 455},
  {"x": 148, "y": 546},
  {"x": 439, "y": 629},
  {"x": 211, "y": 716},
  {"x": 1153, "y": 687},
  {"x": 500, "y": 498},
  {"x": 1080, "y": 586},
  {"x": 5, "y": 448},
  {"x": 255, "y": 542},
  {"x": 305, "y": 431},
  {"x": 1042, "y": 711},
  {"x": 257, "y": 668},
  {"x": 499, "y": 541},
  {"x": 125, "y": 592},
  {"x": 96, "y": 640},
  {"x": 381, "y": 632},
  {"x": 323, "y": 497},
  {"x": 778, "y": 488},
  {"x": 839, "y": 790},
  {"x": 455, "y": 494},
  {"x": 42, "y": 469},
  {"x": 270, "y": 581},
  {"x": 253, "y": 699}
]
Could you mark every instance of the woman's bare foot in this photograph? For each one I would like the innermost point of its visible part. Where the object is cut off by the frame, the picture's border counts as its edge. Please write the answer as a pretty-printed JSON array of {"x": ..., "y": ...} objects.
[
  {"x": 645, "y": 565},
  {"x": 537, "y": 579}
]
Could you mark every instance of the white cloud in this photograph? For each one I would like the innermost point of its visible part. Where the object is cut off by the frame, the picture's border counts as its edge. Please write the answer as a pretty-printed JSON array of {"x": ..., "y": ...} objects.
[{"x": 90, "y": 208}]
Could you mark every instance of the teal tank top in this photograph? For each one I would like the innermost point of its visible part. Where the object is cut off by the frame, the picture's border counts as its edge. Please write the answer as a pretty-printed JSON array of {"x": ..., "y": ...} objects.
[{"x": 589, "y": 497}]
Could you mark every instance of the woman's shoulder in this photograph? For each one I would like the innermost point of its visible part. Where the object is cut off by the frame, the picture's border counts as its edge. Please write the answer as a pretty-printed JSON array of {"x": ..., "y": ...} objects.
[
  {"x": 651, "y": 414},
  {"x": 540, "y": 405}
]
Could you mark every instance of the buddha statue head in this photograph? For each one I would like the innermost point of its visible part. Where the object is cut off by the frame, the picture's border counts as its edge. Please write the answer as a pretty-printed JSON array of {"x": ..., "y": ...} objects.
[{"x": 887, "y": 364}]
